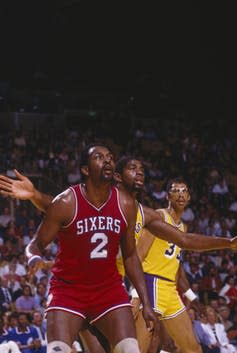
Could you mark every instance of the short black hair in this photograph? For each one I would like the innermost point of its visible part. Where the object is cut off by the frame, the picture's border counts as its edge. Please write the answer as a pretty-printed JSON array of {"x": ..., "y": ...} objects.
[
  {"x": 122, "y": 162},
  {"x": 178, "y": 180},
  {"x": 85, "y": 152}
]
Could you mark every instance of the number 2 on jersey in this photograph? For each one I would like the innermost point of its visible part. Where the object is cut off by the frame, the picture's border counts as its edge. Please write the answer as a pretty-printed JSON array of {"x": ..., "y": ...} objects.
[{"x": 99, "y": 251}]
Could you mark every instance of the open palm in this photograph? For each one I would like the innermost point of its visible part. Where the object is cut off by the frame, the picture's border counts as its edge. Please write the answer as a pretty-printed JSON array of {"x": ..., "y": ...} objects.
[{"x": 21, "y": 188}]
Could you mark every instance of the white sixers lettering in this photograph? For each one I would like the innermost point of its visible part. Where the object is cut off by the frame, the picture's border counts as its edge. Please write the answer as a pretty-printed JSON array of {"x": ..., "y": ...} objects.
[{"x": 98, "y": 223}]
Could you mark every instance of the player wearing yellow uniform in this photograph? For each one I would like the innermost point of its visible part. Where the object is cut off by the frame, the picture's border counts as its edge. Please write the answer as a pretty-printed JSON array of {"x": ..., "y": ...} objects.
[
  {"x": 161, "y": 266},
  {"x": 130, "y": 176},
  {"x": 138, "y": 230}
]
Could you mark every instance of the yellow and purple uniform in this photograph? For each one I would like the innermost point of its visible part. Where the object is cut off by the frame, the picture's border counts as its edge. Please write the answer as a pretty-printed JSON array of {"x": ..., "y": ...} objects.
[
  {"x": 138, "y": 229},
  {"x": 160, "y": 269}
]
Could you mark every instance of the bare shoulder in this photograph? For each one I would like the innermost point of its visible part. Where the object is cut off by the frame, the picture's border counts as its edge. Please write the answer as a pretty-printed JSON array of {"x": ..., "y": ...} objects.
[
  {"x": 128, "y": 203},
  {"x": 64, "y": 197},
  {"x": 161, "y": 213},
  {"x": 63, "y": 207},
  {"x": 126, "y": 198}
]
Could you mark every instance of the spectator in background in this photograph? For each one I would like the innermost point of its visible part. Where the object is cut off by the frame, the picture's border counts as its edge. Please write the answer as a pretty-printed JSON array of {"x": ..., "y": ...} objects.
[
  {"x": 232, "y": 331},
  {"x": 5, "y": 218},
  {"x": 40, "y": 294},
  {"x": 221, "y": 187},
  {"x": 229, "y": 291},
  {"x": 194, "y": 275},
  {"x": 6, "y": 345},
  {"x": 202, "y": 336},
  {"x": 40, "y": 325},
  {"x": 19, "y": 291},
  {"x": 224, "y": 270},
  {"x": 26, "y": 302},
  {"x": 25, "y": 335},
  {"x": 13, "y": 271},
  {"x": 217, "y": 333},
  {"x": 210, "y": 285},
  {"x": 5, "y": 296},
  {"x": 202, "y": 220},
  {"x": 224, "y": 315}
]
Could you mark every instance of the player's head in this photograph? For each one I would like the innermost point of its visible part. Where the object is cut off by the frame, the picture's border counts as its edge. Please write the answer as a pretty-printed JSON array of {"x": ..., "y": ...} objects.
[
  {"x": 97, "y": 162},
  {"x": 178, "y": 193},
  {"x": 129, "y": 172}
]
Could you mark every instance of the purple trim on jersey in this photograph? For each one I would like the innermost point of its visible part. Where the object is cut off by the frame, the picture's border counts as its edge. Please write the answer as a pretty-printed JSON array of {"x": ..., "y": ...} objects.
[
  {"x": 97, "y": 209},
  {"x": 142, "y": 213},
  {"x": 150, "y": 283},
  {"x": 65, "y": 309},
  {"x": 108, "y": 310},
  {"x": 76, "y": 208},
  {"x": 119, "y": 206}
]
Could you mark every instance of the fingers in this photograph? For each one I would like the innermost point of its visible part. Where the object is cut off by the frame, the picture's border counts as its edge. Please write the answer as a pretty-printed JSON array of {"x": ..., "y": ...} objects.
[
  {"x": 5, "y": 186},
  {"x": 5, "y": 180},
  {"x": 19, "y": 175},
  {"x": 6, "y": 193}
]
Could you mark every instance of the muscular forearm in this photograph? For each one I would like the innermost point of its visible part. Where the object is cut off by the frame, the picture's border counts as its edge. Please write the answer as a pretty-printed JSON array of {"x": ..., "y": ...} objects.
[
  {"x": 135, "y": 274},
  {"x": 33, "y": 249},
  {"x": 41, "y": 200},
  {"x": 189, "y": 241}
]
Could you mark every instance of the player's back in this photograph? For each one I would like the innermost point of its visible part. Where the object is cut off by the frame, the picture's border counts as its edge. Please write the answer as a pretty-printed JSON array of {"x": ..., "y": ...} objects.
[{"x": 88, "y": 245}]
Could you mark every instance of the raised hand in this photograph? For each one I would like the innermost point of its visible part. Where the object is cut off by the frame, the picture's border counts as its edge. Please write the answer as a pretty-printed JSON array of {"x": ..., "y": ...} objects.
[{"x": 21, "y": 188}]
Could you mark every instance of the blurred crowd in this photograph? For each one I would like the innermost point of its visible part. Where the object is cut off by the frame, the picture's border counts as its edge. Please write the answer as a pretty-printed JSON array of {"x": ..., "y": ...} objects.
[{"x": 204, "y": 153}]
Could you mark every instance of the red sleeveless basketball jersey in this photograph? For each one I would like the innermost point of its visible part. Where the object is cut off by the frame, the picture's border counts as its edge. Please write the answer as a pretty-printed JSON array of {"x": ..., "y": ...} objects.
[{"x": 89, "y": 244}]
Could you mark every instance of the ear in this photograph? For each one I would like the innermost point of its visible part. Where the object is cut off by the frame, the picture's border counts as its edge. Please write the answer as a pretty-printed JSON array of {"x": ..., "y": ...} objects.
[
  {"x": 85, "y": 170},
  {"x": 117, "y": 177},
  {"x": 189, "y": 197}
]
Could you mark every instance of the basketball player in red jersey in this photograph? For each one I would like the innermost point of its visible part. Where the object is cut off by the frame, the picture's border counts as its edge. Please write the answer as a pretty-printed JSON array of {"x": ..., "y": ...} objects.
[
  {"x": 182, "y": 239},
  {"x": 91, "y": 220}
]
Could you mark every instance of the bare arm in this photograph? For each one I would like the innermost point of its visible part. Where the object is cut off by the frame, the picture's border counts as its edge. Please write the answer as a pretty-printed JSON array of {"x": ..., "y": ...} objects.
[
  {"x": 59, "y": 213},
  {"x": 132, "y": 263},
  {"x": 182, "y": 281},
  {"x": 188, "y": 241},
  {"x": 184, "y": 285},
  {"x": 23, "y": 189}
]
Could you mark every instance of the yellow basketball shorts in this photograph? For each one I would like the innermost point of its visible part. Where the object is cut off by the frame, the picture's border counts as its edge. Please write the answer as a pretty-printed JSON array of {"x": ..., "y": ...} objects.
[{"x": 164, "y": 296}]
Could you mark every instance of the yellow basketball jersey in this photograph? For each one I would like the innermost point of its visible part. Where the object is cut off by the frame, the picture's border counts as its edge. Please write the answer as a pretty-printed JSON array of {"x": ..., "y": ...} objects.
[
  {"x": 163, "y": 257},
  {"x": 138, "y": 229}
]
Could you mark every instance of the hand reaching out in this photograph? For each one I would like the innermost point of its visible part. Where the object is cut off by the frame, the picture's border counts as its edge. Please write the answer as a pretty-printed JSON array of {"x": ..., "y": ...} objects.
[{"x": 21, "y": 188}]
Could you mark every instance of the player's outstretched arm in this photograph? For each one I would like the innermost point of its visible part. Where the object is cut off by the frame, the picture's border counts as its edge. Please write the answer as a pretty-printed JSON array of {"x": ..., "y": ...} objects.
[
  {"x": 188, "y": 241},
  {"x": 23, "y": 189}
]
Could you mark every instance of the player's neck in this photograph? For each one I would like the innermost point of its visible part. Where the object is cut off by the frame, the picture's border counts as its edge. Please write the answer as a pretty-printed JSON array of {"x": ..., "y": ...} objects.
[
  {"x": 96, "y": 195},
  {"x": 131, "y": 191},
  {"x": 174, "y": 214}
]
